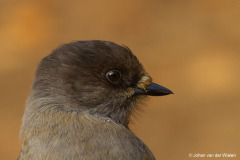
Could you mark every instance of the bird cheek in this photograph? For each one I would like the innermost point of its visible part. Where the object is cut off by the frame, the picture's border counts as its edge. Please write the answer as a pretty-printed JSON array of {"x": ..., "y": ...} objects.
[{"x": 130, "y": 91}]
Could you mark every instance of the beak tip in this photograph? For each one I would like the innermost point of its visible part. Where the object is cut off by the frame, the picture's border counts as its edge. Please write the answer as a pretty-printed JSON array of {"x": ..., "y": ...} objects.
[
  {"x": 154, "y": 90},
  {"x": 168, "y": 93}
]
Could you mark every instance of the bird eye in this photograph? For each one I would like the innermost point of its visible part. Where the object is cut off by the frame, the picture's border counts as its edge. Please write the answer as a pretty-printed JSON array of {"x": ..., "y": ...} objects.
[{"x": 113, "y": 76}]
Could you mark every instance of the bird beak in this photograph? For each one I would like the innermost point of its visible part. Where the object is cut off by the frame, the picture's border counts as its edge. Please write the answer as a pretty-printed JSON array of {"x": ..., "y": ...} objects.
[{"x": 153, "y": 90}]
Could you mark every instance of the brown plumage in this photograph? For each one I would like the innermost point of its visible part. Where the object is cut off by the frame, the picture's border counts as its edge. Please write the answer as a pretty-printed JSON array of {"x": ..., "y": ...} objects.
[{"x": 81, "y": 100}]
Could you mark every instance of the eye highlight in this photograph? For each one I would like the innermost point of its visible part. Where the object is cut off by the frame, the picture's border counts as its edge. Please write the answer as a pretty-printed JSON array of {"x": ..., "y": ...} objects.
[{"x": 113, "y": 76}]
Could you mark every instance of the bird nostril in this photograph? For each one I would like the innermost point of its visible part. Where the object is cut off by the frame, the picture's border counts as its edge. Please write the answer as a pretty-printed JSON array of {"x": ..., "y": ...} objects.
[
  {"x": 142, "y": 86},
  {"x": 144, "y": 82}
]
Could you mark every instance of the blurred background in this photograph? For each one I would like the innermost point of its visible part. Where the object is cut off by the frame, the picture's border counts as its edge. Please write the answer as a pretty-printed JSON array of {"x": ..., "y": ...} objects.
[{"x": 191, "y": 47}]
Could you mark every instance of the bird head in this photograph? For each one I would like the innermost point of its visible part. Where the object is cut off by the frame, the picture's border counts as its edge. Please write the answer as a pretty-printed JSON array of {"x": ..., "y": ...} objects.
[{"x": 95, "y": 77}]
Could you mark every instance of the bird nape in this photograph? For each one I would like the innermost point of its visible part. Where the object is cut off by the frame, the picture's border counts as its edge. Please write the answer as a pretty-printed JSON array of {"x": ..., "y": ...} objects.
[{"x": 81, "y": 100}]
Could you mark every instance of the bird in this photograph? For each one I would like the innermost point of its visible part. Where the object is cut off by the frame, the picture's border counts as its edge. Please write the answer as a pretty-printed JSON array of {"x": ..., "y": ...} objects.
[{"x": 81, "y": 101}]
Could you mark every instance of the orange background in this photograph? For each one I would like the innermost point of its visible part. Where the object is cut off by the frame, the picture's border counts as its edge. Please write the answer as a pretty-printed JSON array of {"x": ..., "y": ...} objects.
[{"x": 191, "y": 47}]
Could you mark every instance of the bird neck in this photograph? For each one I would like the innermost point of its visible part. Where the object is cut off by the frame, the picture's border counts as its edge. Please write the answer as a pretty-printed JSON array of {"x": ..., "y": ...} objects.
[
  {"x": 120, "y": 114},
  {"x": 43, "y": 114}
]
